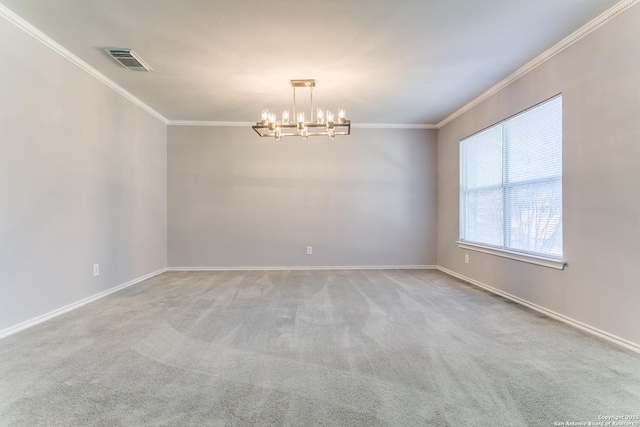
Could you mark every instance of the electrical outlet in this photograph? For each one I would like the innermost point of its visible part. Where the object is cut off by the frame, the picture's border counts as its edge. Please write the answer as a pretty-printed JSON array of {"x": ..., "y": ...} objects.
[
  {"x": 96, "y": 269},
  {"x": 309, "y": 250},
  {"x": 466, "y": 258}
]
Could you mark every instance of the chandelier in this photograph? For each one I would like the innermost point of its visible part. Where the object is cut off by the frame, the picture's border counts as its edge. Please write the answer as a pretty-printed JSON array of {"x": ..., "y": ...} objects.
[{"x": 324, "y": 124}]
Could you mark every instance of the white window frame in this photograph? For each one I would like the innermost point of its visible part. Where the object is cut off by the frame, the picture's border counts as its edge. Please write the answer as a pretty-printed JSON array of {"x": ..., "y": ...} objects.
[{"x": 503, "y": 251}]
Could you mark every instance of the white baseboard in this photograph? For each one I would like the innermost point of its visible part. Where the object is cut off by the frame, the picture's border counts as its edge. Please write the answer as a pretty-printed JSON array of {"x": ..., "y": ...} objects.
[
  {"x": 338, "y": 267},
  {"x": 590, "y": 329},
  {"x": 575, "y": 323},
  {"x": 32, "y": 322}
]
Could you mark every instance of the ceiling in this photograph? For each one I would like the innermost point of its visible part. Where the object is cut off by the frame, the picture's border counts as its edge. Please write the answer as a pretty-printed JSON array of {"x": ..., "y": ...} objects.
[{"x": 384, "y": 61}]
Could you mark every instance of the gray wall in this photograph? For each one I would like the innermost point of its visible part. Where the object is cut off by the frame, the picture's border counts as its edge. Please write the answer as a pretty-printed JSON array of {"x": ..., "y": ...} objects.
[
  {"x": 82, "y": 181},
  {"x": 600, "y": 81},
  {"x": 236, "y": 199}
]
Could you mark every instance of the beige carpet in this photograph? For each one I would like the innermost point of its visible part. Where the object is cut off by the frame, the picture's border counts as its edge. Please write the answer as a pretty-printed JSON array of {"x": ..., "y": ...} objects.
[{"x": 304, "y": 348}]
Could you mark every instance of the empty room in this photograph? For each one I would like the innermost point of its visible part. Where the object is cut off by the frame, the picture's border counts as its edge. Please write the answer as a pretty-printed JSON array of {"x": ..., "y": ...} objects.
[{"x": 297, "y": 213}]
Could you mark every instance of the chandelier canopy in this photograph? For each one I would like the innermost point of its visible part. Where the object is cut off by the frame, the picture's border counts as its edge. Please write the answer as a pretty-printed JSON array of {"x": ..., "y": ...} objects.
[{"x": 324, "y": 124}]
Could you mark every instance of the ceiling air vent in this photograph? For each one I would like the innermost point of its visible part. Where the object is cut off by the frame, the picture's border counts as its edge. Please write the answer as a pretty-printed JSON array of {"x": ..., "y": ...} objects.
[{"x": 129, "y": 59}]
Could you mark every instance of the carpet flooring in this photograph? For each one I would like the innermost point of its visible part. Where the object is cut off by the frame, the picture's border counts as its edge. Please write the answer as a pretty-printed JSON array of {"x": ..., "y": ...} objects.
[{"x": 310, "y": 348}]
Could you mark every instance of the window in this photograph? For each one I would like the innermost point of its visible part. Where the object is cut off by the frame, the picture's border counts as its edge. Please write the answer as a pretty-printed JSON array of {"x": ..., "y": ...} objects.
[{"x": 511, "y": 183}]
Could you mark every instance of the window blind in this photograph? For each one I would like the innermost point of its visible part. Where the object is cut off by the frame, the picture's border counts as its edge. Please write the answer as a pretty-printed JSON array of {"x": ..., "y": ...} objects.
[{"x": 511, "y": 183}]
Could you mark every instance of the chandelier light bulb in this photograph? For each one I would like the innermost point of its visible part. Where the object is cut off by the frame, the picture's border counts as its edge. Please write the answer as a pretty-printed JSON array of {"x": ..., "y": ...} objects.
[
  {"x": 320, "y": 116},
  {"x": 285, "y": 117},
  {"x": 265, "y": 117},
  {"x": 330, "y": 118},
  {"x": 341, "y": 115}
]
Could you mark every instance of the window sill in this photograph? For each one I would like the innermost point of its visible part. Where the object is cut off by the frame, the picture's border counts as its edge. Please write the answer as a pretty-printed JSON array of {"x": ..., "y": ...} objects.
[{"x": 558, "y": 264}]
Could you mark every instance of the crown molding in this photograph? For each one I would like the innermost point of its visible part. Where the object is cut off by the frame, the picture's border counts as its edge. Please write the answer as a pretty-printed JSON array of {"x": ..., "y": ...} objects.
[
  {"x": 540, "y": 59},
  {"x": 209, "y": 123},
  {"x": 572, "y": 38},
  {"x": 392, "y": 126},
  {"x": 46, "y": 40},
  {"x": 354, "y": 125}
]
